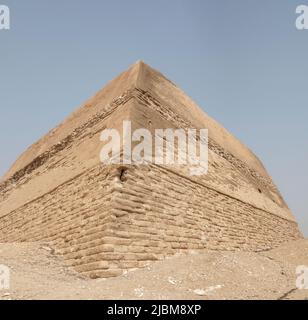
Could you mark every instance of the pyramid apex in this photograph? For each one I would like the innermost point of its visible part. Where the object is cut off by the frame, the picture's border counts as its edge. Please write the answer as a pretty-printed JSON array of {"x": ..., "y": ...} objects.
[
  {"x": 140, "y": 61},
  {"x": 140, "y": 65}
]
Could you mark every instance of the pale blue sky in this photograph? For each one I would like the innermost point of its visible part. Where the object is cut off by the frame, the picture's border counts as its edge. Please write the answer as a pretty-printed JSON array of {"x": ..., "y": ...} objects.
[{"x": 242, "y": 61}]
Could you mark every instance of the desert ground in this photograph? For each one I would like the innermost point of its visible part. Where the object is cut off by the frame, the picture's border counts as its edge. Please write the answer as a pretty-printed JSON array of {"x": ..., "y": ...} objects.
[{"x": 37, "y": 273}]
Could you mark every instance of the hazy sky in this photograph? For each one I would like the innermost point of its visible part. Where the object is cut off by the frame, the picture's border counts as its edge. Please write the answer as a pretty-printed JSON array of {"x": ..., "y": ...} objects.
[{"x": 242, "y": 61}]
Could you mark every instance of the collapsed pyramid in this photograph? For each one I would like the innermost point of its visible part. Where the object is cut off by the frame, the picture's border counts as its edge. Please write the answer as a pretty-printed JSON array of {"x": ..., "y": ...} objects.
[{"x": 106, "y": 219}]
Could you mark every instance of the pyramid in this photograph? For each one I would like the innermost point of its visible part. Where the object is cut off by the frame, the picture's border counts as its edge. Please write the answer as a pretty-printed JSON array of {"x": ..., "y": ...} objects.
[{"x": 104, "y": 219}]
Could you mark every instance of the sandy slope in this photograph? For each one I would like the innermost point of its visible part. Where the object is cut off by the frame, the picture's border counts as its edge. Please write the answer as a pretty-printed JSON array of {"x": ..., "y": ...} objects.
[{"x": 36, "y": 273}]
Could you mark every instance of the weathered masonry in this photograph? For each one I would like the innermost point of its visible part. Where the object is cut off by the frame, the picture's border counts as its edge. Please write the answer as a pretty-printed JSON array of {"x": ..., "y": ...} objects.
[{"x": 106, "y": 219}]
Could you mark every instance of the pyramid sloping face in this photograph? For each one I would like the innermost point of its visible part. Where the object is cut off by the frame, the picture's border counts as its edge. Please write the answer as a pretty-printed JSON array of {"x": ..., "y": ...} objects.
[{"x": 59, "y": 191}]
